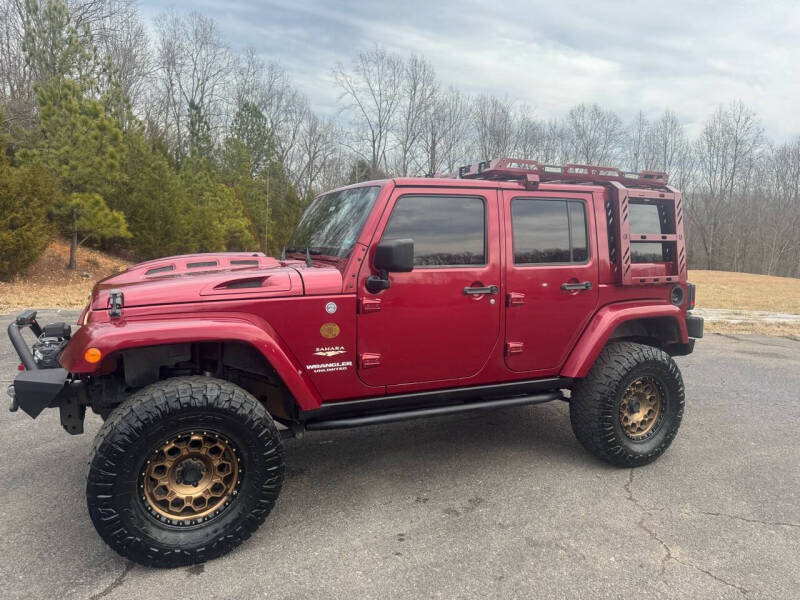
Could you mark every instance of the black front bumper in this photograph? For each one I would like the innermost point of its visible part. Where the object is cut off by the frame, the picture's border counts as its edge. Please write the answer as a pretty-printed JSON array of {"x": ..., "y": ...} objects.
[{"x": 35, "y": 389}]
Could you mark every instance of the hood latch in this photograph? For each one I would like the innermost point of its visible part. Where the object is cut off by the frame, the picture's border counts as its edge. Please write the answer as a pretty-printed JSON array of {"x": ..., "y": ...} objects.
[{"x": 115, "y": 299}]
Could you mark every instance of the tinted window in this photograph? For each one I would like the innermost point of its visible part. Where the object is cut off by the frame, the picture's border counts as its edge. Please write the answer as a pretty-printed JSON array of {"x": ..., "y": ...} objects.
[
  {"x": 548, "y": 231},
  {"x": 645, "y": 218},
  {"x": 646, "y": 252},
  {"x": 577, "y": 227},
  {"x": 447, "y": 230}
]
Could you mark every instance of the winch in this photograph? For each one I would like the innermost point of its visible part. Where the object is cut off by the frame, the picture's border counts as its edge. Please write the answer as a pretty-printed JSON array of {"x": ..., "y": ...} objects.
[{"x": 49, "y": 344}]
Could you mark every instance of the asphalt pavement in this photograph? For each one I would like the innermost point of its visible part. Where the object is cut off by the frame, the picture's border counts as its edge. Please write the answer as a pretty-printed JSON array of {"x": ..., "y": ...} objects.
[{"x": 503, "y": 504}]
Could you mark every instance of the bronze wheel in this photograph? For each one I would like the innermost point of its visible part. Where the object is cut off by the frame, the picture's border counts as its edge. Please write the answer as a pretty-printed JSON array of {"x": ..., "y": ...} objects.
[
  {"x": 191, "y": 478},
  {"x": 640, "y": 409},
  {"x": 183, "y": 471},
  {"x": 628, "y": 408}
]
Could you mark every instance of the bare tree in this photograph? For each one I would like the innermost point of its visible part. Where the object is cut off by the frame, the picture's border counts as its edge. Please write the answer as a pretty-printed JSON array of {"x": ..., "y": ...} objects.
[
  {"x": 638, "y": 147},
  {"x": 417, "y": 101},
  {"x": 16, "y": 78},
  {"x": 124, "y": 43},
  {"x": 594, "y": 135},
  {"x": 727, "y": 151},
  {"x": 317, "y": 144},
  {"x": 444, "y": 129},
  {"x": 371, "y": 90},
  {"x": 495, "y": 126},
  {"x": 781, "y": 212},
  {"x": 194, "y": 68},
  {"x": 268, "y": 87}
]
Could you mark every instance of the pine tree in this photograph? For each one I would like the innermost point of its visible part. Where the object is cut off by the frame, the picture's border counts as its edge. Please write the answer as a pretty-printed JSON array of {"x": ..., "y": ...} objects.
[
  {"x": 25, "y": 195},
  {"x": 82, "y": 147}
]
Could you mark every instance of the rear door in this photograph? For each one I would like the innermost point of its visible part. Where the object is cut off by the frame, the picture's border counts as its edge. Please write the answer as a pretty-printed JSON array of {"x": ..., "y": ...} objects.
[
  {"x": 551, "y": 273},
  {"x": 442, "y": 320}
]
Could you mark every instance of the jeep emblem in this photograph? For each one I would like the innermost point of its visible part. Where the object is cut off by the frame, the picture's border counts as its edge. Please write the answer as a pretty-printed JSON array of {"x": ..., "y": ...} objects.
[{"x": 330, "y": 308}]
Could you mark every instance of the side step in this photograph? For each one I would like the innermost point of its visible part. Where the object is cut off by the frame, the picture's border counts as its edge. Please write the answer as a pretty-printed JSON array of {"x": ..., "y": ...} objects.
[{"x": 419, "y": 413}]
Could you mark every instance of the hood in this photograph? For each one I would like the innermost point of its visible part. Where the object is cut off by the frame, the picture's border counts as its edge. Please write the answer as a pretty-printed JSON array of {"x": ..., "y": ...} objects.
[{"x": 214, "y": 276}]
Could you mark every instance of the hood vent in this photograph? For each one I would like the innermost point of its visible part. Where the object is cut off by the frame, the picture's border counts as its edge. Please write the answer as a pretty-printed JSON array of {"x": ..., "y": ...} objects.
[
  {"x": 253, "y": 282},
  {"x": 158, "y": 270},
  {"x": 198, "y": 265}
]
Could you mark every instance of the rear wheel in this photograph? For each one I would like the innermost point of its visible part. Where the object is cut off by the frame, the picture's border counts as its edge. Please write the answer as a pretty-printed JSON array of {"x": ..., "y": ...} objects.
[
  {"x": 184, "y": 471},
  {"x": 629, "y": 407}
]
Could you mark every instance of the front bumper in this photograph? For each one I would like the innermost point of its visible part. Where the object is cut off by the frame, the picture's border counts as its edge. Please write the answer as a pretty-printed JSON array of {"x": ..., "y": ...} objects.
[{"x": 35, "y": 389}]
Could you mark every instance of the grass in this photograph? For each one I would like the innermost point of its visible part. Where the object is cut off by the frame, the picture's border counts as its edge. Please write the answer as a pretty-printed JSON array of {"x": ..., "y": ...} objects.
[
  {"x": 744, "y": 291},
  {"x": 748, "y": 292},
  {"x": 48, "y": 284}
]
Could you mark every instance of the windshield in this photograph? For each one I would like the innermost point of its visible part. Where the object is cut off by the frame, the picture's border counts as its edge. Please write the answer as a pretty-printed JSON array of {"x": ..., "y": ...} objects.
[{"x": 333, "y": 221}]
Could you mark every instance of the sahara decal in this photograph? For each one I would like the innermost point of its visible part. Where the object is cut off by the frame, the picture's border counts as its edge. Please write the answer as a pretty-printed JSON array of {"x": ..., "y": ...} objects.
[{"x": 329, "y": 351}]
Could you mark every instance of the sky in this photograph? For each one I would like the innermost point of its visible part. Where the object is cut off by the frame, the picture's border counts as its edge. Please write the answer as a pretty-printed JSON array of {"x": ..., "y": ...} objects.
[{"x": 687, "y": 56}]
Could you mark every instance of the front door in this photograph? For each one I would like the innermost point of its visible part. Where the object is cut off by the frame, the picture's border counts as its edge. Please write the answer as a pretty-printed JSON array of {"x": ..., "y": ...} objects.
[
  {"x": 551, "y": 276},
  {"x": 440, "y": 321}
]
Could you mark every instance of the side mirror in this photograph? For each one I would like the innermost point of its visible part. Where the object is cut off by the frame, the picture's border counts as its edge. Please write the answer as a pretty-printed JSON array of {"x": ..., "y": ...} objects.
[
  {"x": 395, "y": 256},
  {"x": 391, "y": 256}
]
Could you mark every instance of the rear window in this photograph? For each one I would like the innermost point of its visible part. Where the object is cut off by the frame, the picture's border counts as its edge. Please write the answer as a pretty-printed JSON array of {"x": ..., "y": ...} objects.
[
  {"x": 650, "y": 218},
  {"x": 647, "y": 252},
  {"x": 549, "y": 231},
  {"x": 646, "y": 218}
]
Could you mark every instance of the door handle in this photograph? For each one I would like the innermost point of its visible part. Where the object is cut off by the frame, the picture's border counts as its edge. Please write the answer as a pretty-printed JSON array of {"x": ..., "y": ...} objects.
[
  {"x": 479, "y": 291},
  {"x": 570, "y": 287}
]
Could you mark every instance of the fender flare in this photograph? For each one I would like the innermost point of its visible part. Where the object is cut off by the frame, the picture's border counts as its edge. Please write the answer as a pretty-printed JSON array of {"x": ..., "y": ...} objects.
[
  {"x": 116, "y": 336},
  {"x": 603, "y": 324}
]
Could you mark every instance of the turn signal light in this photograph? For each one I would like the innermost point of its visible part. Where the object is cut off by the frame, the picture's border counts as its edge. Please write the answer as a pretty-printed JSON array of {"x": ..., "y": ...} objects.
[{"x": 92, "y": 355}]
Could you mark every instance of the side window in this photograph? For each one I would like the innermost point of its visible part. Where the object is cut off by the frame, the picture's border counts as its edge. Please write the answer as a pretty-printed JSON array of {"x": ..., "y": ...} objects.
[
  {"x": 549, "y": 231},
  {"x": 447, "y": 230}
]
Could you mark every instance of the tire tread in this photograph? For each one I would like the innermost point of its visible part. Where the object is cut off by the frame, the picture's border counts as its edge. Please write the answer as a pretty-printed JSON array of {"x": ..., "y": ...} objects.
[
  {"x": 593, "y": 406},
  {"x": 131, "y": 419}
]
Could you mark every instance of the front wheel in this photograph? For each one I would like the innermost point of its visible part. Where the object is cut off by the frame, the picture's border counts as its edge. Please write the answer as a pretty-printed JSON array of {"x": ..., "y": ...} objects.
[
  {"x": 629, "y": 407},
  {"x": 183, "y": 471}
]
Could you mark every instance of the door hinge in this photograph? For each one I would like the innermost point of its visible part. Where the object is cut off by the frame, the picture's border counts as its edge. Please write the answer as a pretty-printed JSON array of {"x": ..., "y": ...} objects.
[
  {"x": 370, "y": 305},
  {"x": 514, "y": 347},
  {"x": 368, "y": 360},
  {"x": 515, "y": 298}
]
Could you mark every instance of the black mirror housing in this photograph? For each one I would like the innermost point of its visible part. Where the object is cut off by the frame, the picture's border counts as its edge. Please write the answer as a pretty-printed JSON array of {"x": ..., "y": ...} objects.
[{"x": 395, "y": 256}]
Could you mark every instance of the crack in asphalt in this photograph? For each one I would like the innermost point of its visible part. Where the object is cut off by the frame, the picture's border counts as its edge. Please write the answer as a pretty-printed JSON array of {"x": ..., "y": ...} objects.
[
  {"x": 114, "y": 584},
  {"x": 737, "y": 338},
  {"x": 668, "y": 554},
  {"x": 749, "y": 520}
]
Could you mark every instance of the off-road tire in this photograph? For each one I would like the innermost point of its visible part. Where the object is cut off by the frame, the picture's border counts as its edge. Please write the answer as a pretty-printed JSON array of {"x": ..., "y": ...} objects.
[
  {"x": 596, "y": 400},
  {"x": 154, "y": 414}
]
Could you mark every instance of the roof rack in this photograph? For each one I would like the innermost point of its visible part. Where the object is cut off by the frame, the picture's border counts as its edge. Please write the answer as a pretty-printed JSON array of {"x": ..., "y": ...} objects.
[
  {"x": 533, "y": 171},
  {"x": 624, "y": 188}
]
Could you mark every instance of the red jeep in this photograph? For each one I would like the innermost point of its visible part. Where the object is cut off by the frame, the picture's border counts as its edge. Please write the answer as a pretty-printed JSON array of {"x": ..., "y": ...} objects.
[{"x": 513, "y": 283}]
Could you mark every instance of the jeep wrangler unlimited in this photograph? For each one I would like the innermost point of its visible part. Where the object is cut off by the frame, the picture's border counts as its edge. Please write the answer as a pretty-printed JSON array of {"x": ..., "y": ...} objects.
[{"x": 511, "y": 283}]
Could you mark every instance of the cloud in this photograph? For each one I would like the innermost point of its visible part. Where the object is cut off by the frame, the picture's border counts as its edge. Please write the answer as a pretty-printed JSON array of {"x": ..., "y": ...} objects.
[{"x": 685, "y": 55}]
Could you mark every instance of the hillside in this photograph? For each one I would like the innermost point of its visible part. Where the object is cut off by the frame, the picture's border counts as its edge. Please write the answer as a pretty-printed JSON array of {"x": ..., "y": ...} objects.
[{"x": 49, "y": 284}]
